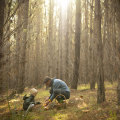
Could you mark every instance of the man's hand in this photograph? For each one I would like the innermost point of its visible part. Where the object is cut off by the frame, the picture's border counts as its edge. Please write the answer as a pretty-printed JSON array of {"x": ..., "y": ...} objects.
[
  {"x": 46, "y": 99},
  {"x": 47, "y": 102}
]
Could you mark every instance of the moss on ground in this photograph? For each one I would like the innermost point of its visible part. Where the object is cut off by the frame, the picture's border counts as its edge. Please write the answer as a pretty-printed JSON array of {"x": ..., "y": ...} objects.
[{"x": 81, "y": 106}]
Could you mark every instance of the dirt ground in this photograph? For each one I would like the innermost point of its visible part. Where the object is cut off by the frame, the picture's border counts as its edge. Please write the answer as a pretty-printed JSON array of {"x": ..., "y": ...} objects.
[{"x": 82, "y": 105}]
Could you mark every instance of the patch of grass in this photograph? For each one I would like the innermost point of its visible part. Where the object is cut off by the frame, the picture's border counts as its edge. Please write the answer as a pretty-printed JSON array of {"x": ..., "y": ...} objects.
[
  {"x": 83, "y": 86},
  {"x": 34, "y": 116},
  {"x": 113, "y": 115},
  {"x": 42, "y": 93},
  {"x": 87, "y": 86},
  {"x": 60, "y": 116},
  {"x": 3, "y": 106},
  {"x": 109, "y": 85},
  {"x": 75, "y": 110}
]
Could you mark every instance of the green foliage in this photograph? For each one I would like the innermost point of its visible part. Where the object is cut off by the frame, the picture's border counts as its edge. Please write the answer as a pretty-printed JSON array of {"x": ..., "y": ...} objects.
[
  {"x": 18, "y": 116},
  {"x": 77, "y": 108},
  {"x": 110, "y": 85},
  {"x": 42, "y": 93},
  {"x": 15, "y": 114},
  {"x": 83, "y": 86},
  {"x": 113, "y": 116},
  {"x": 59, "y": 116},
  {"x": 24, "y": 30},
  {"x": 39, "y": 86}
]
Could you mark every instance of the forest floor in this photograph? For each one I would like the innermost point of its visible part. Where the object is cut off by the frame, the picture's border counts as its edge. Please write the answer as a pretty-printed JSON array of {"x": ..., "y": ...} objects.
[{"x": 81, "y": 106}]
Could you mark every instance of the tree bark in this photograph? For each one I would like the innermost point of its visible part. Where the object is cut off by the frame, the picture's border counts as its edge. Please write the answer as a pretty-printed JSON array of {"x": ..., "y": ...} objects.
[
  {"x": 60, "y": 45},
  {"x": 67, "y": 39},
  {"x": 86, "y": 42},
  {"x": 50, "y": 38},
  {"x": 77, "y": 47},
  {"x": 91, "y": 48},
  {"x": 117, "y": 7},
  {"x": 101, "y": 89},
  {"x": 37, "y": 51},
  {"x": 22, "y": 57},
  {"x": 2, "y": 7}
]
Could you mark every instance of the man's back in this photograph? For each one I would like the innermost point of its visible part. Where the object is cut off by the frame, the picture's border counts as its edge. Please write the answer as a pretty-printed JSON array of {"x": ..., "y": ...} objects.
[{"x": 59, "y": 84}]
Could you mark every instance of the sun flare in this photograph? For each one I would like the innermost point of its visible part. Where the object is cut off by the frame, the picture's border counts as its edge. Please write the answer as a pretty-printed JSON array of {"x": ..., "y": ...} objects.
[{"x": 62, "y": 3}]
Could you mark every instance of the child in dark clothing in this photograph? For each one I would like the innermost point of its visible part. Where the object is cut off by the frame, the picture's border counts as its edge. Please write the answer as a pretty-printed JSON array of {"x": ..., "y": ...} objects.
[{"x": 29, "y": 102}]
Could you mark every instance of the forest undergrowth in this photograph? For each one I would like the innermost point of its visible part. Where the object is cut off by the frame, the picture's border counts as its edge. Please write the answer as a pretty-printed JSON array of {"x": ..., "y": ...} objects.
[{"x": 81, "y": 106}]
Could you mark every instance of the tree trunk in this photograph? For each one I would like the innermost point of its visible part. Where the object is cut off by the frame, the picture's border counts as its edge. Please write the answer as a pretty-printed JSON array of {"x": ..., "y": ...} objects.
[
  {"x": 118, "y": 91},
  {"x": 118, "y": 84},
  {"x": 50, "y": 38},
  {"x": 86, "y": 42},
  {"x": 18, "y": 36},
  {"x": 37, "y": 50},
  {"x": 8, "y": 11},
  {"x": 22, "y": 57},
  {"x": 60, "y": 45},
  {"x": 101, "y": 89},
  {"x": 67, "y": 43},
  {"x": 77, "y": 47},
  {"x": 2, "y": 7},
  {"x": 91, "y": 48},
  {"x": 117, "y": 7}
]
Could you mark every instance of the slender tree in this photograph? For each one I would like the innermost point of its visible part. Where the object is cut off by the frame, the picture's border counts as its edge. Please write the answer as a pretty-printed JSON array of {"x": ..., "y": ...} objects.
[
  {"x": 67, "y": 42},
  {"x": 2, "y": 7},
  {"x": 60, "y": 45},
  {"x": 8, "y": 43},
  {"x": 86, "y": 41},
  {"x": 37, "y": 66},
  {"x": 101, "y": 89},
  {"x": 23, "y": 41},
  {"x": 117, "y": 7},
  {"x": 77, "y": 46},
  {"x": 50, "y": 37},
  {"x": 91, "y": 48}
]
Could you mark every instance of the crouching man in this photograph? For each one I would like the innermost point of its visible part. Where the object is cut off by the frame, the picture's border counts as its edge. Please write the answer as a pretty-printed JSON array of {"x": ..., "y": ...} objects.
[{"x": 58, "y": 87}]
